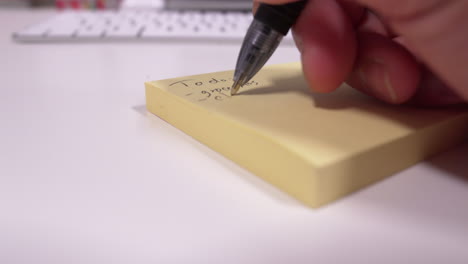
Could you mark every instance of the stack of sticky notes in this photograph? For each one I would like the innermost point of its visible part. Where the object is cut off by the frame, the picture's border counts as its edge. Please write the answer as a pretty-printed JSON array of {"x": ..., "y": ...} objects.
[{"x": 316, "y": 147}]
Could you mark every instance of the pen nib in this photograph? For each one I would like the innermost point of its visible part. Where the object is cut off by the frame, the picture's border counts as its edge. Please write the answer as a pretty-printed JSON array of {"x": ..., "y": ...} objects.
[{"x": 235, "y": 87}]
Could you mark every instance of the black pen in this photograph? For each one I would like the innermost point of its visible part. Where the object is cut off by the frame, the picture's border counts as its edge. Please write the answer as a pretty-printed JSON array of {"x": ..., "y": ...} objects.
[{"x": 271, "y": 23}]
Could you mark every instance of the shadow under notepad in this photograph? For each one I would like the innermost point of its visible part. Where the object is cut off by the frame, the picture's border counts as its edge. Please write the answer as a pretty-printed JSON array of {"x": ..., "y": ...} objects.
[
  {"x": 141, "y": 109},
  {"x": 454, "y": 163}
]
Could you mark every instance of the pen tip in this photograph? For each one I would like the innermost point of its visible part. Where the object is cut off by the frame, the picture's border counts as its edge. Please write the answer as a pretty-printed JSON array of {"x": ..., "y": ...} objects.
[{"x": 235, "y": 87}]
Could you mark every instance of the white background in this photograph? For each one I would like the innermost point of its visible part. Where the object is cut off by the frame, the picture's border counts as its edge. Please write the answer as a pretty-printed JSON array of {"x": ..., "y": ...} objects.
[{"x": 88, "y": 176}]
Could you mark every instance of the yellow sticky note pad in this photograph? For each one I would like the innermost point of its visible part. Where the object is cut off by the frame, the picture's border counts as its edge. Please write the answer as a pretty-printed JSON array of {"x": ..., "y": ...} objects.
[{"x": 316, "y": 147}]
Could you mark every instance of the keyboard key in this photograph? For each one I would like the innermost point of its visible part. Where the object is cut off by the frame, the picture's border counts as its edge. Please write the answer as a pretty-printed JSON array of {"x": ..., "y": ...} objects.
[
  {"x": 123, "y": 30},
  {"x": 90, "y": 31}
]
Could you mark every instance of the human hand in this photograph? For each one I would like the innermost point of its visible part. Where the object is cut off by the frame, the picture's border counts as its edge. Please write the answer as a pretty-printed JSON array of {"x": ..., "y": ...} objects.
[{"x": 397, "y": 51}]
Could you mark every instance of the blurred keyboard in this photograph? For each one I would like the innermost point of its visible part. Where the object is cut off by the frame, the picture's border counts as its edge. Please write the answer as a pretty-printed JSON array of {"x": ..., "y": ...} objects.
[{"x": 74, "y": 26}]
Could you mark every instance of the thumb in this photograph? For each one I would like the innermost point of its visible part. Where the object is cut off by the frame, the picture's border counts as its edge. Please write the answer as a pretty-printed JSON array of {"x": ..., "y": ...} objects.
[{"x": 435, "y": 31}]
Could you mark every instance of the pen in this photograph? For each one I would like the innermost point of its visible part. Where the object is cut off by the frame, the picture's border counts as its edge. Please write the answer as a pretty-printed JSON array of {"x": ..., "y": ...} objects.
[{"x": 271, "y": 23}]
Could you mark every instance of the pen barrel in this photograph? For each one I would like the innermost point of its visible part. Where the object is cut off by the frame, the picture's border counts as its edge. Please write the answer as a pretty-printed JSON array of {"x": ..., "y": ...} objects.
[{"x": 280, "y": 17}]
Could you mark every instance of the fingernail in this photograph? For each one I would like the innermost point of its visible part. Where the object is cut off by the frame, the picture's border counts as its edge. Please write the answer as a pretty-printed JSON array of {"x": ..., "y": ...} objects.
[{"x": 374, "y": 77}]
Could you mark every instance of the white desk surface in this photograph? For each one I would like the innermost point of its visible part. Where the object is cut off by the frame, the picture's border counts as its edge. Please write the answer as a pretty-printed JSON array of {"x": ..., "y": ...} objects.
[{"x": 87, "y": 176}]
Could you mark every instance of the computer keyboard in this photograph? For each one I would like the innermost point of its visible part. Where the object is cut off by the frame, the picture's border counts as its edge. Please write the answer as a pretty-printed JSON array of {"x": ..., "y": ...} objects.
[{"x": 74, "y": 26}]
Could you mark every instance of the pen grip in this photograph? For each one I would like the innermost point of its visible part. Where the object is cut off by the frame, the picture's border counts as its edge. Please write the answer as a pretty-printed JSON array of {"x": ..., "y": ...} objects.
[{"x": 280, "y": 17}]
